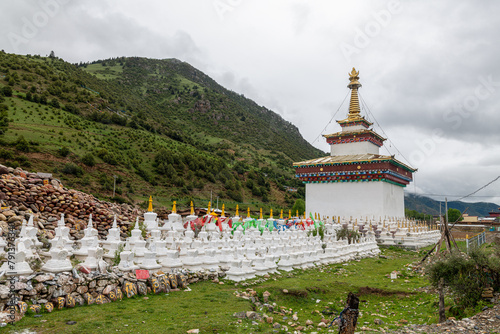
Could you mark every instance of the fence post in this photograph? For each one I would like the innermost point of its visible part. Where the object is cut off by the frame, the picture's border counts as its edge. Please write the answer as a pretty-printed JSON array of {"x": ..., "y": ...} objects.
[{"x": 467, "y": 242}]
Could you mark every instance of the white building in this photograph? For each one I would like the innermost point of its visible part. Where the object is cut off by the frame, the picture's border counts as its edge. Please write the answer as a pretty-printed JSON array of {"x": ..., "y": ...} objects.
[{"x": 355, "y": 180}]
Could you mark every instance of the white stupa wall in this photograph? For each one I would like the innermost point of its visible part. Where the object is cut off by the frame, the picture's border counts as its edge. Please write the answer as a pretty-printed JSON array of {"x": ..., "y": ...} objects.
[
  {"x": 356, "y": 199},
  {"x": 354, "y": 148},
  {"x": 353, "y": 128}
]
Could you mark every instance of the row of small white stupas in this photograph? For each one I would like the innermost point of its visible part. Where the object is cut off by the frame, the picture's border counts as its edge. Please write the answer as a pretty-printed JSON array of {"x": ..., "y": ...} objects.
[
  {"x": 405, "y": 233},
  {"x": 243, "y": 248}
]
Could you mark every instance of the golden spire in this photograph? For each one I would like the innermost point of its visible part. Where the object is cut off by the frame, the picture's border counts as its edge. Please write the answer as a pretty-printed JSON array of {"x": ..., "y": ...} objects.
[
  {"x": 304, "y": 215},
  {"x": 192, "y": 208},
  {"x": 222, "y": 213},
  {"x": 354, "y": 84},
  {"x": 236, "y": 210},
  {"x": 281, "y": 214},
  {"x": 271, "y": 214},
  {"x": 260, "y": 216},
  {"x": 289, "y": 214},
  {"x": 248, "y": 212},
  {"x": 297, "y": 213},
  {"x": 208, "y": 209},
  {"x": 150, "y": 206},
  {"x": 174, "y": 210}
]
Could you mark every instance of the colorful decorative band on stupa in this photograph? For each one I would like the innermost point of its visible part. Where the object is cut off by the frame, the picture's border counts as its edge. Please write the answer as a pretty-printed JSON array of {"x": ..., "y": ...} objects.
[{"x": 335, "y": 169}]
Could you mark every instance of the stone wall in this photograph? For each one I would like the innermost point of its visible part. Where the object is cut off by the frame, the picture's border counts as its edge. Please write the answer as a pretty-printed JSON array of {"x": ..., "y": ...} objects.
[{"x": 78, "y": 288}]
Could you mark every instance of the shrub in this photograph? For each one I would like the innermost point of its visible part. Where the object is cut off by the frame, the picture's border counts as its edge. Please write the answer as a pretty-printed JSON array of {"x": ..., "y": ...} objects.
[
  {"x": 351, "y": 235},
  {"x": 466, "y": 275},
  {"x": 4, "y": 118},
  {"x": 4, "y": 154},
  {"x": 64, "y": 151},
  {"x": 72, "y": 169},
  {"x": 23, "y": 160},
  {"x": 300, "y": 206},
  {"x": 6, "y": 91},
  {"x": 88, "y": 159},
  {"x": 22, "y": 144}
]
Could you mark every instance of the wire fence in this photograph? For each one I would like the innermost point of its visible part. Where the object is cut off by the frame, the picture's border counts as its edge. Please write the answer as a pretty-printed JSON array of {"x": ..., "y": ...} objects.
[{"x": 475, "y": 241}]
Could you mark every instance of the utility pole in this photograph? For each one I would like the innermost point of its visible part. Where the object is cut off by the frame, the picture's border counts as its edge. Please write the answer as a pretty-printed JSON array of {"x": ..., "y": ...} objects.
[
  {"x": 114, "y": 185},
  {"x": 217, "y": 203}
]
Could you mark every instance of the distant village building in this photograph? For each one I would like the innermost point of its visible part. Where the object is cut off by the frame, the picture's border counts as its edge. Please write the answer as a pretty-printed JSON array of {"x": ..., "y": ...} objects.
[
  {"x": 355, "y": 180},
  {"x": 494, "y": 214}
]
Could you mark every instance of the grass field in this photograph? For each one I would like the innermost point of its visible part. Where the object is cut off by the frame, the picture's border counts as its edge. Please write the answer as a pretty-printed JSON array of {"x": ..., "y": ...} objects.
[{"x": 312, "y": 294}]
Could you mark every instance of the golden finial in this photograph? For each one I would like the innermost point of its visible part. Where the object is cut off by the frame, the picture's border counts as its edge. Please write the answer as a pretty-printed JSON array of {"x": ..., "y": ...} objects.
[
  {"x": 248, "y": 212},
  {"x": 260, "y": 216},
  {"x": 174, "y": 210},
  {"x": 192, "y": 208},
  {"x": 208, "y": 209},
  {"x": 222, "y": 213},
  {"x": 150, "y": 206},
  {"x": 271, "y": 214},
  {"x": 281, "y": 214},
  {"x": 354, "y": 84},
  {"x": 354, "y": 76},
  {"x": 297, "y": 213},
  {"x": 304, "y": 215},
  {"x": 289, "y": 214},
  {"x": 236, "y": 210}
]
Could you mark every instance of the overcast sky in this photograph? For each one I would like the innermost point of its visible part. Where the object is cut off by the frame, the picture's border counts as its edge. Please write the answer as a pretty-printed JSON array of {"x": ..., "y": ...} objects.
[{"x": 430, "y": 70}]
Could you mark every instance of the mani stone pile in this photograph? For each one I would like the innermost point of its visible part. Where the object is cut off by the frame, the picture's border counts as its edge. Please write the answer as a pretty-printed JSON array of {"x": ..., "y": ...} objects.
[{"x": 38, "y": 193}]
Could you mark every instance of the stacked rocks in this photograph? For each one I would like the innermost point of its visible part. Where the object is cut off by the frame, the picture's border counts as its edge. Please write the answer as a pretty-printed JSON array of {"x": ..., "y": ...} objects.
[
  {"x": 25, "y": 193},
  {"x": 79, "y": 288}
]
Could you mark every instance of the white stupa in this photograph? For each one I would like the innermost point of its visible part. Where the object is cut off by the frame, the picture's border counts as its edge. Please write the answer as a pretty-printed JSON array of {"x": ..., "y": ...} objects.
[{"x": 355, "y": 179}]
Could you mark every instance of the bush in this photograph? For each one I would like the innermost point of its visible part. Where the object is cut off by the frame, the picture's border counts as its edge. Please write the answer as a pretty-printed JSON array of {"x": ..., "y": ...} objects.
[
  {"x": 23, "y": 160},
  {"x": 351, "y": 235},
  {"x": 4, "y": 118},
  {"x": 300, "y": 206},
  {"x": 64, "y": 151},
  {"x": 467, "y": 275},
  {"x": 72, "y": 108},
  {"x": 4, "y": 154},
  {"x": 22, "y": 144},
  {"x": 72, "y": 169},
  {"x": 7, "y": 91},
  {"x": 88, "y": 159}
]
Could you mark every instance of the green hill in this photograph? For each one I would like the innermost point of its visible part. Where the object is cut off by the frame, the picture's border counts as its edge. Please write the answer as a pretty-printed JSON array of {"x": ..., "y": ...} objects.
[{"x": 161, "y": 127}]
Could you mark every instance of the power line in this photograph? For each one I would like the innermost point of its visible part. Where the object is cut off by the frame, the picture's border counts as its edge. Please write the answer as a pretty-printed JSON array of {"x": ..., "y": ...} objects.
[
  {"x": 331, "y": 118},
  {"x": 487, "y": 184},
  {"x": 447, "y": 195},
  {"x": 385, "y": 134}
]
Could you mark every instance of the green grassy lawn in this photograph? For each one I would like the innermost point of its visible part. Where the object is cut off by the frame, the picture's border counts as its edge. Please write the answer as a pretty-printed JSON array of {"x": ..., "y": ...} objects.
[{"x": 312, "y": 294}]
